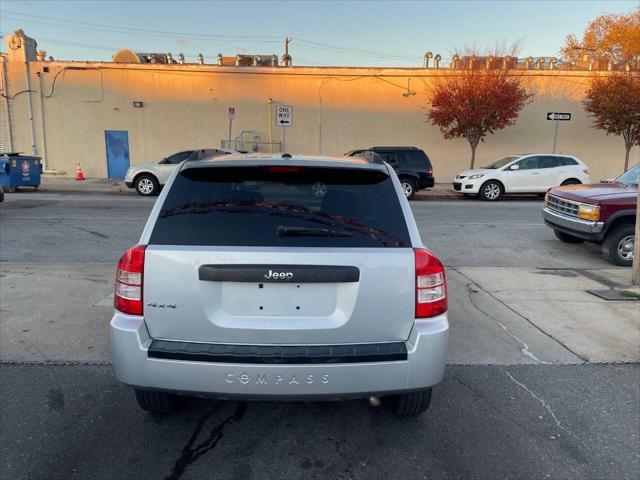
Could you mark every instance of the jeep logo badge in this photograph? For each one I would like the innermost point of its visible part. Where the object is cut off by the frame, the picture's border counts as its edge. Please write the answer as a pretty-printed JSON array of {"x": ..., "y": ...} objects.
[{"x": 278, "y": 275}]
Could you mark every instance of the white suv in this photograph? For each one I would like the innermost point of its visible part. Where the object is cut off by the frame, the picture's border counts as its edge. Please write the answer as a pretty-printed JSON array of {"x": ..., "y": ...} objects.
[
  {"x": 531, "y": 173},
  {"x": 149, "y": 178},
  {"x": 281, "y": 277}
]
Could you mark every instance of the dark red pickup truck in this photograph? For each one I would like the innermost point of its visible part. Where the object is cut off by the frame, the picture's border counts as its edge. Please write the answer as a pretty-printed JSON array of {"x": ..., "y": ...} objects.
[{"x": 603, "y": 213}]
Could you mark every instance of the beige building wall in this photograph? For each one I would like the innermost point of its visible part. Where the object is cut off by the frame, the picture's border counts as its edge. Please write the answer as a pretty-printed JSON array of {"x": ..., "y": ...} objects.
[{"x": 335, "y": 110}]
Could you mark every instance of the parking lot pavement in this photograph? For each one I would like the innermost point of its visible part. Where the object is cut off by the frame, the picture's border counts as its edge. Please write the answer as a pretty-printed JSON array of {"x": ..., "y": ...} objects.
[
  {"x": 504, "y": 234},
  {"x": 486, "y": 422},
  {"x": 520, "y": 398}
]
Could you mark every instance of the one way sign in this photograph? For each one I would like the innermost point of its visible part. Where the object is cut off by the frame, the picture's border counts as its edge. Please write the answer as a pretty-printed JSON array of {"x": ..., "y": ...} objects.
[
  {"x": 558, "y": 116},
  {"x": 285, "y": 116}
]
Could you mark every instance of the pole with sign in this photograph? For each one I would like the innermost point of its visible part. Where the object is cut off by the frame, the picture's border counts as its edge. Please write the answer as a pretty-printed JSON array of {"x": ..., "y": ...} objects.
[
  {"x": 284, "y": 119},
  {"x": 557, "y": 117},
  {"x": 231, "y": 114}
]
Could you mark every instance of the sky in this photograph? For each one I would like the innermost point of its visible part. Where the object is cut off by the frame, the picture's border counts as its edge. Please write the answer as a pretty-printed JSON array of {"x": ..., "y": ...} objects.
[{"x": 344, "y": 33}]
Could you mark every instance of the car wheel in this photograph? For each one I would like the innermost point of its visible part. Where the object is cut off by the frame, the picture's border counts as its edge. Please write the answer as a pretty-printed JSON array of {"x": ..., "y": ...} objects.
[
  {"x": 147, "y": 185},
  {"x": 491, "y": 191},
  {"x": 409, "y": 404},
  {"x": 571, "y": 181},
  {"x": 566, "y": 238},
  {"x": 618, "y": 246},
  {"x": 409, "y": 187},
  {"x": 157, "y": 402}
]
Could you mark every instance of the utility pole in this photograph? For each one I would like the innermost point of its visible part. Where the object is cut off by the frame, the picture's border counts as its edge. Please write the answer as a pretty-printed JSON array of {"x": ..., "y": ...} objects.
[
  {"x": 636, "y": 248},
  {"x": 555, "y": 136}
]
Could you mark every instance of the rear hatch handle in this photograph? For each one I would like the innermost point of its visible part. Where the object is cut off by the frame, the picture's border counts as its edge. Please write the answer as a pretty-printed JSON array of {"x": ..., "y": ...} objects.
[{"x": 279, "y": 273}]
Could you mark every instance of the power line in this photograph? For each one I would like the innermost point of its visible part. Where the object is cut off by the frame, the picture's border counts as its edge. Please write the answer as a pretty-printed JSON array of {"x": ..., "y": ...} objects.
[
  {"x": 97, "y": 47},
  {"x": 138, "y": 31},
  {"x": 355, "y": 51},
  {"x": 127, "y": 30}
]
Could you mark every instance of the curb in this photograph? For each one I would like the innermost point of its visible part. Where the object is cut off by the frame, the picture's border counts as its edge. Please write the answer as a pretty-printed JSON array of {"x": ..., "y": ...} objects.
[
  {"x": 423, "y": 198},
  {"x": 88, "y": 191}
]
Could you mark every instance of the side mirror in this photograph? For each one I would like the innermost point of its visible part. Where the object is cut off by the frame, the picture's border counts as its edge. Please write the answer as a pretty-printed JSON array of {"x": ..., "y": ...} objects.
[
  {"x": 514, "y": 167},
  {"x": 164, "y": 161}
]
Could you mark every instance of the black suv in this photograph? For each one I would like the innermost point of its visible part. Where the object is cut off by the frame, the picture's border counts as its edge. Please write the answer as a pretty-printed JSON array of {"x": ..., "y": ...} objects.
[{"x": 410, "y": 163}]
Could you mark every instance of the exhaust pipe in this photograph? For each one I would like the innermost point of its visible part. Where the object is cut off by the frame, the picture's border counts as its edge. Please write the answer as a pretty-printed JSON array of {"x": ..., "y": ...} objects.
[{"x": 427, "y": 56}]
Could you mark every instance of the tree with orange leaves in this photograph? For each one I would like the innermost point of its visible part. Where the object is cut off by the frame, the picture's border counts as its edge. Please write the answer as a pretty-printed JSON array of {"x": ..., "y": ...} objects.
[
  {"x": 614, "y": 103},
  {"x": 613, "y": 38},
  {"x": 472, "y": 104}
]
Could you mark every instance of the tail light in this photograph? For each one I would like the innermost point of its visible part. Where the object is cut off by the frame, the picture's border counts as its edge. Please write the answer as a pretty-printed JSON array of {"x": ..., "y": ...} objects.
[
  {"x": 431, "y": 285},
  {"x": 430, "y": 172},
  {"x": 585, "y": 171},
  {"x": 129, "y": 280}
]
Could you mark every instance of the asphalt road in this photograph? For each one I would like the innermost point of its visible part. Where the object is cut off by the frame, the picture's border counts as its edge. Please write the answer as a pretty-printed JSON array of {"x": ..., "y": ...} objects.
[
  {"x": 486, "y": 421},
  {"x": 64, "y": 228}
]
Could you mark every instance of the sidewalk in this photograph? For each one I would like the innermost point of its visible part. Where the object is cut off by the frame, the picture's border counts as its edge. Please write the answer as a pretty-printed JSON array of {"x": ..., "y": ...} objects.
[
  {"x": 90, "y": 185},
  {"x": 52, "y": 183},
  {"x": 558, "y": 303},
  {"x": 440, "y": 191}
]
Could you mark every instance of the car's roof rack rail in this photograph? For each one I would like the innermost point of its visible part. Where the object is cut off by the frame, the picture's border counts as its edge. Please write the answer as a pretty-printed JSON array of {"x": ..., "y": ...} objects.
[{"x": 370, "y": 156}]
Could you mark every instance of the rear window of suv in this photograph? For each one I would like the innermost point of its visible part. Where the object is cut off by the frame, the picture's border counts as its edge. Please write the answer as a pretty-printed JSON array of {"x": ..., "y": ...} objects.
[{"x": 281, "y": 206}]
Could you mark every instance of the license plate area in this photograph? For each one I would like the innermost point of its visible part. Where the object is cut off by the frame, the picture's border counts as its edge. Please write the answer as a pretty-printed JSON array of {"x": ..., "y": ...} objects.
[{"x": 278, "y": 299}]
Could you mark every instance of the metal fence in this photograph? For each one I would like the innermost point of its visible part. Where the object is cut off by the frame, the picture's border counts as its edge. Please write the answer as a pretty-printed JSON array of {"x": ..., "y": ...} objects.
[{"x": 251, "y": 146}]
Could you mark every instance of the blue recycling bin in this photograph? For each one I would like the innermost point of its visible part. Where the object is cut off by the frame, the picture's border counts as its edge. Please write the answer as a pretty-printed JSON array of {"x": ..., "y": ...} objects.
[{"x": 18, "y": 170}]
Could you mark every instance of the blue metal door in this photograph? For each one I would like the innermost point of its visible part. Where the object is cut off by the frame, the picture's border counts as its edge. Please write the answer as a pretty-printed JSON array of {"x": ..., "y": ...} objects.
[{"x": 117, "y": 142}]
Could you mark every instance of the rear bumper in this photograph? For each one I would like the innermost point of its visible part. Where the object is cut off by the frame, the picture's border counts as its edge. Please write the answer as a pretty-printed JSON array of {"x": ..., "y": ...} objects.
[
  {"x": 426, "y": 182},
  {"x": 129, "y": 184},
  {"x": 586, "y": 229},
  {"x": 424, "y": 367}
]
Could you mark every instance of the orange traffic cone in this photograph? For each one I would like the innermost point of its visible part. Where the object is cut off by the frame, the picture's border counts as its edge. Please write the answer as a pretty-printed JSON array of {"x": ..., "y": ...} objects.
[{"x": 79, "y": 173}]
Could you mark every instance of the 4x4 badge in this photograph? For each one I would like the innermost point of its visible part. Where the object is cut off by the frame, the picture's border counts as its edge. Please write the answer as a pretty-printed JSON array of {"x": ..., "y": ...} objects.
[{"x": 162, "y": 305}]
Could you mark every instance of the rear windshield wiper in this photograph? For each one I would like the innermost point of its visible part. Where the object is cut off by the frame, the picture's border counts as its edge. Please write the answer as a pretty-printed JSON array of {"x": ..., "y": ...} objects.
[{"x": 284, "y": 231}]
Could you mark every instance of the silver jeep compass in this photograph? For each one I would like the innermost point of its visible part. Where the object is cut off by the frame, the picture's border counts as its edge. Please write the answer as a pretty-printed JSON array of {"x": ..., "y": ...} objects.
[{"x": 281, "y": 277}]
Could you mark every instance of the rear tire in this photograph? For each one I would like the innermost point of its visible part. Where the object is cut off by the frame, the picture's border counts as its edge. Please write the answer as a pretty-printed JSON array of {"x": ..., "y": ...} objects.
[
  {"x": 409, "y": 186},
  {"x": 618, "y": 245},
  {"x": 491, "y": 191},
  {"x": 147, "y": 185},
  {"x": 409, "y": 404},
  {"x": 566, "y": 238},
  {"x": 159, "y": 403}
]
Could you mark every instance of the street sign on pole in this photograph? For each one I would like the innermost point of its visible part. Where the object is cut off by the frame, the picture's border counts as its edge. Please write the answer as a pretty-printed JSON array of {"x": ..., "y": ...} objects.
[
  {"x": 285, "y": 116},
  {"x": 231, "y": 115},
  {"x": 284, "y": 119},
  {"x": 557, "y": 117}
]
